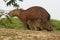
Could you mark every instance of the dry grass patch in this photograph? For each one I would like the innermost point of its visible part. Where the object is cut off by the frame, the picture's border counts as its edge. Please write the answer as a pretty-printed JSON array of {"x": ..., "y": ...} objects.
[{"x": 13, "y": 34}]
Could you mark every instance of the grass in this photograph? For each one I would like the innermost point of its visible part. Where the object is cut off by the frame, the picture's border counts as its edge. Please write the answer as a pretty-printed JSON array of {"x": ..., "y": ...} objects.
[
  {"x": 15, "y": 23},
  {"x": 56, "y": 24}
]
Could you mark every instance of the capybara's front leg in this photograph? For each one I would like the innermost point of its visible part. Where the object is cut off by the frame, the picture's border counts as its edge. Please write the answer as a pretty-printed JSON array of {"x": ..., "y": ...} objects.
[{"x": 27, "y": 26}]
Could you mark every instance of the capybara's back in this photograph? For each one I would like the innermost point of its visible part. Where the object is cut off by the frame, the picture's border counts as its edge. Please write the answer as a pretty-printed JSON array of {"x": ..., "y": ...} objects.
[{"x": 38, "y": 13}]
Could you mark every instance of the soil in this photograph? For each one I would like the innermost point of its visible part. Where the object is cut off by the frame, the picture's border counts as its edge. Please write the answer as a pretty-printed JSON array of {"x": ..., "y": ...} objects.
[{"x": 15, "y": 34}]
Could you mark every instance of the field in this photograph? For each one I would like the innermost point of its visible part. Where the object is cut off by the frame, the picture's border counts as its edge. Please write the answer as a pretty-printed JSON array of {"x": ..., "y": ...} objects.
[
  {"x": 14, "y": 30},
  {"x": 14, "y": 34}
]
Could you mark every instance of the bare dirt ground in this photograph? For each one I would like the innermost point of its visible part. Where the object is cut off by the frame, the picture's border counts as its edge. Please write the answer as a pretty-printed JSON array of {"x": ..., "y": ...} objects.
[{"x": 14, "y": 34}]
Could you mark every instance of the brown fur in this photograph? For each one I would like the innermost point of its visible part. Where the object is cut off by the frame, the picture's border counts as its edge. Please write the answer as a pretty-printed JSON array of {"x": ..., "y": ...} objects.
[
  {"x": 32, "y": 13},
  {"x": 39, "y": 25},
  {"x": 35, "y": 24}
]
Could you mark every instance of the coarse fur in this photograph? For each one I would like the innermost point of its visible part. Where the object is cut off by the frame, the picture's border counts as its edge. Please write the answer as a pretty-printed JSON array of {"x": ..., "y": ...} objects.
[
  {"x": 39, "y": 25},
  {"x": 34, "y": 24},
  {"x": 32, "y": 13}
]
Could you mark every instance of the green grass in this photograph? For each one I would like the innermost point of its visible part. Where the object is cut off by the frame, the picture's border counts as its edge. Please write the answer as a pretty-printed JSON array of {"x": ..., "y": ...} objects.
[
  {"x": 15, "y": 23},
  {"x": 56, "y": 24}
]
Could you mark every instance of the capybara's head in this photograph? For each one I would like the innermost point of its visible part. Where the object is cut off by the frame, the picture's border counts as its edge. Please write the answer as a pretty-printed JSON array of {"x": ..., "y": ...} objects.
[
  {"x": 49, "y": 26},
  {"x": 14, "y": 12}
]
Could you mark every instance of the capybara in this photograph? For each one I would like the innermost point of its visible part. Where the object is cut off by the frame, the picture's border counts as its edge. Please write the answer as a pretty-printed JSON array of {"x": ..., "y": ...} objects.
[
  {"x": 34, "y": 24},
  {"x": 39, "y": 25},
  {"x": 31, "y": 13}
]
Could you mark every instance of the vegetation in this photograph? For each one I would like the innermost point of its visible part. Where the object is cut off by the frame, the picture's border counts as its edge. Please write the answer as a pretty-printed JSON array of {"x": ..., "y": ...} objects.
[
  {"x": 56, "y": 24},
  {"x": 17, "y": 24},
  {"x": 12, "y": 2}
]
